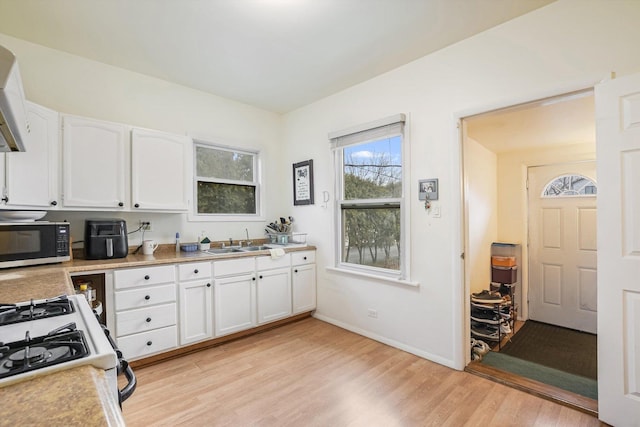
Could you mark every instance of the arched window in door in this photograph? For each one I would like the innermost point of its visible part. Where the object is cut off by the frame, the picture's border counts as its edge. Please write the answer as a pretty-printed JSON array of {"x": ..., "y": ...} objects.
[{"x": 570, "y": 186}]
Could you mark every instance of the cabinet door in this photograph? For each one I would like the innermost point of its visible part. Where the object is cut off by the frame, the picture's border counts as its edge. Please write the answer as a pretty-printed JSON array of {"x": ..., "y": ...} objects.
[
  {"x": 160, "y": 172},
  {"x": 196, "y": 318},
  {"x": 94, "y": 163},
  {"x": 234, "y": 304},
  {"x": 32, "y": 176},
  {"x": 274, "y": 294},
  {"x": 303, "y": 282}
]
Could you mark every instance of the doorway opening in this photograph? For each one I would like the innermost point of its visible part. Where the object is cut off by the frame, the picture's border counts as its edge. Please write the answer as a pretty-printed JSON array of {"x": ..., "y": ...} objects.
[{"x": 506, "y": 153}]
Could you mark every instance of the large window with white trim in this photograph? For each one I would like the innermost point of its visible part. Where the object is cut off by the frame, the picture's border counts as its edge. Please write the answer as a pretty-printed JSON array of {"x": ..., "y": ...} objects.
[
  {"x": 370, "y": 197},
  {"x": 226, "y": 181}
]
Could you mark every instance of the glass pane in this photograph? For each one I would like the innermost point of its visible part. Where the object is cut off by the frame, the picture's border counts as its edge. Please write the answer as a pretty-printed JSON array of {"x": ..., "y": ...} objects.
[
  {"x": 371, "y": 237},
  {"x": 226, "y": 198},
  {"x": 223, "y": 164},
  {"x": 373, "y": 170},
  {"x": 570, "y": 185}
]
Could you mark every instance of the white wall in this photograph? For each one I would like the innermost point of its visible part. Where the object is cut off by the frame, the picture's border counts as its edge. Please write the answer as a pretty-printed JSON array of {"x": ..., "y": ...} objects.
[
  {"x": 75, "y": 85},
  {"x": 481, "y": 192},
  {"x": 565, "y": 46}
]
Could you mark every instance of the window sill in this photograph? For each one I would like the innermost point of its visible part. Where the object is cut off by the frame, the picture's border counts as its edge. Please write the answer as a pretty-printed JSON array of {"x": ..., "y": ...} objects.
[
  {"x": 225, "y": 218},
  {"x": 385, "y": 279}
]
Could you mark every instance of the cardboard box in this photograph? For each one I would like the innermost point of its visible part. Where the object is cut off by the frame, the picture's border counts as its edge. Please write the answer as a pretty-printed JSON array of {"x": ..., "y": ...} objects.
[
  {"x": 503, "y": 261},
  {"x": 506, "y": 275}
]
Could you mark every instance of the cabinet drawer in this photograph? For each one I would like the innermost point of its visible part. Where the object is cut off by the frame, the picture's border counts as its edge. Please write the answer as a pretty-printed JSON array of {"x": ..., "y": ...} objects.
[
  {"x": 142, "y": 297},
  {"x": 144, "y": 276},
  {"x": 145, "y": 319},
  {"x": 266, "y": 262},
  {"x": 233, "y": 266},
  {"x": 303, "y": 257},
  {"x": 148, "y": 343},
  {"x": 193, "y": 271}
]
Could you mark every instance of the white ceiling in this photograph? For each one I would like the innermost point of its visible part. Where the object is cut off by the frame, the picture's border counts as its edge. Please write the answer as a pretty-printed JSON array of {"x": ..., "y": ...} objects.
[
  {"x": 563, "y": 120},
  {"x": 273, "y": 54}
]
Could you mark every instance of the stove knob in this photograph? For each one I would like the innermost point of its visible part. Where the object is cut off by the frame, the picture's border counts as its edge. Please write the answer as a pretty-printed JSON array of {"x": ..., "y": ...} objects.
[
  {"x": 148, "y": 319},
  {"x": 149, "y": 343}
]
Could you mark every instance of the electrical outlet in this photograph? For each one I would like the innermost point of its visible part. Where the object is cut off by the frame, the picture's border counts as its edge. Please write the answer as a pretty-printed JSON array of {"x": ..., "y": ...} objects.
[
  {"x": 372, "y": 313},
  {"x": 145, "y": 225}
]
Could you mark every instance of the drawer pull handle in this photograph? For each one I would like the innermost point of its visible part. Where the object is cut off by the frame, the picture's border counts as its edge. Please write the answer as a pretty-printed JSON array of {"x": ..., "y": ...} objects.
[
  {"x": 146, "y": 277},
  {"x": 295, "y": 271},
  {"x": 195, "y": 271},
  {"x": 208, "y": 285},
  {"x": 261, "y": 276},
  {"x": 304, "y": 258},
  {"x": 253, "y": 278},
  {"x": 149, "y": 343},
  {"x": 148, "y": 319},
  {"x": 147, "y": 297}
]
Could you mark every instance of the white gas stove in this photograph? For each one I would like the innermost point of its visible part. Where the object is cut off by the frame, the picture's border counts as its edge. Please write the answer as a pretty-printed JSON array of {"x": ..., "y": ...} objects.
[{"x": 44, "y": 336}]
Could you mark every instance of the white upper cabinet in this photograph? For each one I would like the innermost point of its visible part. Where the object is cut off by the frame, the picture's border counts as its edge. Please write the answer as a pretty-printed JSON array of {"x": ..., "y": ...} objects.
[
  {"x": 160, "y": 171},
  {"x": 31, "y": 177},
  {"x": 94, "y": 163}
]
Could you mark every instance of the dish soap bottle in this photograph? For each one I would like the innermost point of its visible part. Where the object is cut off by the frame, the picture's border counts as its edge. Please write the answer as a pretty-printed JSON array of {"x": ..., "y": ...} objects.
[{"x": 177, "y": 242}]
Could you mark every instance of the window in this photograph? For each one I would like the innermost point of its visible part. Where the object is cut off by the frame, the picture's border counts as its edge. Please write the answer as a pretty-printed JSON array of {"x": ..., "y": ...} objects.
[
  {"x": 570, "y": 186},
  {"x": 370, "y": 198},
  {"x": 226, "y": 181}
]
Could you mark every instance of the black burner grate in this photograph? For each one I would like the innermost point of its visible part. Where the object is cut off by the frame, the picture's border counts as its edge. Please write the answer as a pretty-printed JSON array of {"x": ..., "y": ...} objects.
[
  {"x": 35, "y": 353},
  {"x": 16, "y": 313}
]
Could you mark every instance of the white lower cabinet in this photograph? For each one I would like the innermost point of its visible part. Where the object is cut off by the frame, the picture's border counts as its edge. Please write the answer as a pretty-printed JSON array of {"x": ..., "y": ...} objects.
[
  {"x": 145, "y": 310},
  {"x": 196, "y": 302},
  {"x": 274, "y": 294},
  {"x": 234, "y": 303},
  {"x": 303, "y": 281},
  {"x": 148, "y": 343},
  {"x": 159, "y": 308}
]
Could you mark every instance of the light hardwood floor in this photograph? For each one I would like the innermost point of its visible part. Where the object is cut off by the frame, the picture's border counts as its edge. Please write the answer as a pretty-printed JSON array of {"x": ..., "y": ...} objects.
[{"x": 311, "y": 373}]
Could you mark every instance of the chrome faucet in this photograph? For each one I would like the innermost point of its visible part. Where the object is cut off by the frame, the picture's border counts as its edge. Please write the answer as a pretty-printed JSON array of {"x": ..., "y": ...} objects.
[{"x": 248, "y": 241}]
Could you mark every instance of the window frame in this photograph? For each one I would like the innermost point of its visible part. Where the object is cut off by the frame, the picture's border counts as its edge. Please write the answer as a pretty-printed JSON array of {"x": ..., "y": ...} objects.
[
  {"x": 401, "y": 275},
  {"x": 194, "y": 215},
  {"x": 565, "y": 193}
]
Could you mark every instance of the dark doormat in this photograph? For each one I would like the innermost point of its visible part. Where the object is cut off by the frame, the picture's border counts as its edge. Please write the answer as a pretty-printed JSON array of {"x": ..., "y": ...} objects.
[
  {"x": 574, "y": 383},
  {"x": 559, "y": 348}
]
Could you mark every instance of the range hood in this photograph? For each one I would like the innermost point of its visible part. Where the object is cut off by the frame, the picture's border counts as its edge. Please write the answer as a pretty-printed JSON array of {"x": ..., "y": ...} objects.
[{"x": 14, "y": 129}]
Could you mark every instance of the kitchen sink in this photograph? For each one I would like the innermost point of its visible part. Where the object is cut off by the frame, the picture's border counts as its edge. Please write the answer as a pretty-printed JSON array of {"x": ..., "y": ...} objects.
[
  {"x": 254, "y": 248},
  {"x": 218, "y": 251}
]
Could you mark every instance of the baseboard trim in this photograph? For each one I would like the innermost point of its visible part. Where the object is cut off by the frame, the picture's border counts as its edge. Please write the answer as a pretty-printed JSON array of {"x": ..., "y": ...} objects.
[{"x": 400, "y": 346}]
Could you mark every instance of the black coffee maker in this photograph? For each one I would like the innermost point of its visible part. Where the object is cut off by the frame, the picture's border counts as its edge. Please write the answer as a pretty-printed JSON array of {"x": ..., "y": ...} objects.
[{"x": 105, "y": 238}]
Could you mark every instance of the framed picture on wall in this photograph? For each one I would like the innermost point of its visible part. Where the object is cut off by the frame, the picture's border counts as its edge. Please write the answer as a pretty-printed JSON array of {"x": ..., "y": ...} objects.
[
  {"x": 303, "y": 183},
  {"x": 428, "y": 189}
]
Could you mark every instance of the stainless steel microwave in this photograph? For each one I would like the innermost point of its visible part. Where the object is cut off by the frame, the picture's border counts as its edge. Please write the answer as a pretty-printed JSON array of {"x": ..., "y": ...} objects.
[{"x": 33, "y": 243}]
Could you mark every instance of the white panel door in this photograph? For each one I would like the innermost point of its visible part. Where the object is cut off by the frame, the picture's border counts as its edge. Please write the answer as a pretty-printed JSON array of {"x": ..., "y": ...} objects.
[
  {"x": 618, "y": 147},
  {"x": 160, "y": 172},
  {"x": 32, "y": 176},
  {"x": 94, "y": 166},
  {"x": 274, "y": 294},
  {"x": 303, "y": 288},
  {"x": 562, "y": 250},
  {"x": 234, "y": 304},
  {"x": 196, "y": 313}
]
